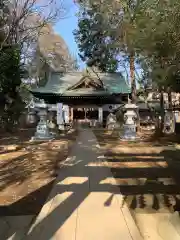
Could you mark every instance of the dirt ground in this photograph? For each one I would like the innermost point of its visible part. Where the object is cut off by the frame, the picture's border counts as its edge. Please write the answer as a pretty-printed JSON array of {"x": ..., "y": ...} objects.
[
  {"x": 148, "y": 175},
  {"x": 28, "y": 169}
]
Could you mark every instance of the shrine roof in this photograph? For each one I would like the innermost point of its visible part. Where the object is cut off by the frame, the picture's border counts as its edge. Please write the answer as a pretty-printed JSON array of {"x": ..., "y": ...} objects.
[
  {"x": 58, "y": 84},
  {"x": 115, "y": 83}
]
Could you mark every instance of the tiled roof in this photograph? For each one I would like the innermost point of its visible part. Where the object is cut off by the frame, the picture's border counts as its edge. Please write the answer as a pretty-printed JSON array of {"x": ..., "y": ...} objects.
[
  {"x": 58, "y": 84},
  {"x": 114, "y": 83}
]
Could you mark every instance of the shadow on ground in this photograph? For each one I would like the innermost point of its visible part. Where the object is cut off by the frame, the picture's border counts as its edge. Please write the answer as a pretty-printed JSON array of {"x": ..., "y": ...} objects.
[
  {"x": 28, "y": 170},
  {"x": 148, "y": 179},
  {"x": 31, "y": 204},
  {"x": 157, "y": 177},
  {"x": 16, "y": 141},
  {"x": 146, "y": 137}
]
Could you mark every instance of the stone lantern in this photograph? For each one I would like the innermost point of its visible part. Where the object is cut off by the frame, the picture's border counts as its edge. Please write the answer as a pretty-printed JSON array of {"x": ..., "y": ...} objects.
[
  {"x": 42, "y": 129},
  {"x": 130, "y": 122},
  {"x": 31, "y": 118}
]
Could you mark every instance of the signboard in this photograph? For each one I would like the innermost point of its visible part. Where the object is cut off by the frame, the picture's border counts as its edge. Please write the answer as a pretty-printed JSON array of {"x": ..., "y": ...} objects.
[{"x": 59, "y": 113}]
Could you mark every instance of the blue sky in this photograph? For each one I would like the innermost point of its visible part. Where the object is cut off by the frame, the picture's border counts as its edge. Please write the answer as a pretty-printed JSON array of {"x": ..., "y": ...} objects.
[{"x": 66, "y": 26}]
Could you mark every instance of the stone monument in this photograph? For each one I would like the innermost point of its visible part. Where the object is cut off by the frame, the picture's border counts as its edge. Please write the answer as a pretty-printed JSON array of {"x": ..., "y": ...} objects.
[{"x": 130, "y": 119}]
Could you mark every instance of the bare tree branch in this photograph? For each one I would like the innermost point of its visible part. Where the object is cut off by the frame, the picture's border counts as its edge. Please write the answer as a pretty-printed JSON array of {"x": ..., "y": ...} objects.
[{"x": 27, "y": 17}]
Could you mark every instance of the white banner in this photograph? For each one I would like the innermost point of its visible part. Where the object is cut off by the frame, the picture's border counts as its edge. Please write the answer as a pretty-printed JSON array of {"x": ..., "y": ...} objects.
[
  {"x": 59, "y": 113},
  {"x": 100, "y": 117},
  {"x": 66, "y": 113}
]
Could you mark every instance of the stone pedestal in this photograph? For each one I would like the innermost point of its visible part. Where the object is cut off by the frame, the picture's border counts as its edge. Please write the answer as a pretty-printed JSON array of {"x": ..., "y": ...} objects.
[
  {"x": 129, "y": 127},
  {"x": 42, "y": 129}
]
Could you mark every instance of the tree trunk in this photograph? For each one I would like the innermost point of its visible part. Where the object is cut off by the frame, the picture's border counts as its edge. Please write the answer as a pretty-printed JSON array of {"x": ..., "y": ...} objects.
[
  {"x": 173, "y": 120},
  {"x": 132, "y": 77},
  {"x": 169, "y": 99},
  {"x": 133, "y": 86},
  {"x": 161, "y": 112},
  {"x": 160, "y": 122}
]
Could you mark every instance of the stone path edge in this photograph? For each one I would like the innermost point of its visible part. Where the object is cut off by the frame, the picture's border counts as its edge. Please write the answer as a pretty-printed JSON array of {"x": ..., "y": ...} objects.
[{"x": 128, "y": 217}]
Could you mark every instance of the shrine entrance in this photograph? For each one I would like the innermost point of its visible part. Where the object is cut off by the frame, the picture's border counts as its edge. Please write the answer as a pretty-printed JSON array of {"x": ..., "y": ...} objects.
[{"x": 85, "y": 114}]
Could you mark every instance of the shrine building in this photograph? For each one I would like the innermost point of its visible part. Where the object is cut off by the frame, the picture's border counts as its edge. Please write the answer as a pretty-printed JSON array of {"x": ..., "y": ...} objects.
[{"x": 86, "y": 96}]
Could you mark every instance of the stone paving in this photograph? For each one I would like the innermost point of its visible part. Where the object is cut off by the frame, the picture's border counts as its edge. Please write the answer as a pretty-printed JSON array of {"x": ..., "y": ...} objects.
[{"x": 80, "y": 206}]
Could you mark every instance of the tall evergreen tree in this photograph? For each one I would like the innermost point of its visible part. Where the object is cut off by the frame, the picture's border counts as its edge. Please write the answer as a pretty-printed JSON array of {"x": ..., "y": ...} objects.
[{"x": 95, "y": 41}]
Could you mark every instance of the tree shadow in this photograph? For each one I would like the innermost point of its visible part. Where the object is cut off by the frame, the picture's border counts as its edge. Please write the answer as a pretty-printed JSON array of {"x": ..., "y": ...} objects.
[
  {"x": 134, "y": 183},
  {"x": 152, "y": 179},
  {"x": 19, "y": 169},
  {"x": 20, "y": 140},
  {"x": 109, "y": 137},
  {"x": 152, "y": 186},
  {"x": 31, "y": 204},
  {"x": 92, "y": 176},
  {"x": 24, "y": 171}
]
